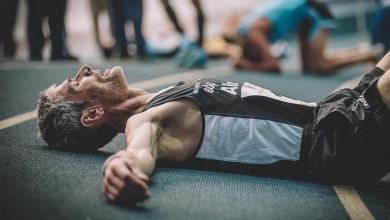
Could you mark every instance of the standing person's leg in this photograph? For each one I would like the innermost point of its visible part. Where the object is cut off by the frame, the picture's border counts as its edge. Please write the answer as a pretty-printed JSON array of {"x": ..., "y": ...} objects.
[
  {"x": 200, "y": 21},
  {"x": 380, "y": 32},
  {"x": 57, "y": 28},
  {"x": 7, "y": 19},
  {"x": 314, "y": 58},
  {"x": 135, "y": 10},
  {"x": 117, "y": 18},
  {"x": 172, "y": 16},
  {"x": 97, "y": 7},
  {"x": 36, "y": 40},
  {"x": 95, "y": 10}
]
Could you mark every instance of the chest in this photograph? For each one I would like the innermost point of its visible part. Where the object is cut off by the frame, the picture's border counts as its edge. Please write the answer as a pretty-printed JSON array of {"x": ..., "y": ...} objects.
[{"x": 182, "y": 133}]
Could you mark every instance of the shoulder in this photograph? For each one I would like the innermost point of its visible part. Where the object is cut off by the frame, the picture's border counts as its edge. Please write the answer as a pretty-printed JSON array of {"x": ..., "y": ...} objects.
[{"x": 161, "y": 113}]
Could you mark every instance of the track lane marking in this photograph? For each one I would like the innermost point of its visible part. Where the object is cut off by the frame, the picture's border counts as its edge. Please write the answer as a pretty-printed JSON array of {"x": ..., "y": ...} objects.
[
  {"x": 145, "y": 84},
  {"x": 17, "y": 119},
  {"x": 353, "y": 203}
]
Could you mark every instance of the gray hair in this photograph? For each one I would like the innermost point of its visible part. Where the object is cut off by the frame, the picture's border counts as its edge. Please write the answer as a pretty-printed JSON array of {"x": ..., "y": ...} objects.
[{"x": 60, "y": 127}]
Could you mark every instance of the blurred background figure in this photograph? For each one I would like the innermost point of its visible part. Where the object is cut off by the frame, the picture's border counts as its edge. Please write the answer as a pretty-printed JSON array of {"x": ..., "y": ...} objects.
[
  {"x": 97, "y": 8},
  {"x": 380, "y": 25},
  {"x": 54, "y": 11},
  {"x": 190, "y": 54},
  {"x": 7, "y": 22},
  {"x": 273, "y": 20},
  {"x": 120, "y": 12},
  {"x": 200, "y": 19}
]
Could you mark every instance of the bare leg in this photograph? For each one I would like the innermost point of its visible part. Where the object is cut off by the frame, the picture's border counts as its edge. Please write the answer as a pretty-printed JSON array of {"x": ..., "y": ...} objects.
[
  {"x": 384, "y": 82},
  {"x": 200, "y": 21},
  {"x": 256, "y": 53},
  {"x": 172, "y": 16},
  {"x": 95, "y": 9},
  {"x": 314, "y": 57}
]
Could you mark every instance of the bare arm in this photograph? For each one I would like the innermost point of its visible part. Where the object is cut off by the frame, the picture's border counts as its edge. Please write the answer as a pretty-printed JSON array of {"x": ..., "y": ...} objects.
[
  {"x": 170, "y": 131},
  {"x": 127, "y": 172}
]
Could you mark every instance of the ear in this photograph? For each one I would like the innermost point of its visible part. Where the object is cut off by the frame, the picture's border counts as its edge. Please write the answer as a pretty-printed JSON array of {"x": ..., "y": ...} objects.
[{"x": 92, "y": 117}]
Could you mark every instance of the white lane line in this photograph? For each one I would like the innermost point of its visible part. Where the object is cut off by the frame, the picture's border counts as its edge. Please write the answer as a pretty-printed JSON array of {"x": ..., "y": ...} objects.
[
  {"x": 186, "y": 76},
  {"x": 352, "y": 203},
  {"x": 17, "y": 119},
  {"x": 146, "y": 84}
]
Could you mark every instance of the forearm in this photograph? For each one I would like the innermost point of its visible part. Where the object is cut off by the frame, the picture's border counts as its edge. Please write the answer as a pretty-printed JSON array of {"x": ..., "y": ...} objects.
[
  {"x": 142, "y": 146},
  {"x": 142, "y": 159}
]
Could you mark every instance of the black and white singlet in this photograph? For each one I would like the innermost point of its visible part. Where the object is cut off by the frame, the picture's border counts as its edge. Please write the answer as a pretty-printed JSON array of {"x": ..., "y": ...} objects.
[{"x": 242, "y": 122}]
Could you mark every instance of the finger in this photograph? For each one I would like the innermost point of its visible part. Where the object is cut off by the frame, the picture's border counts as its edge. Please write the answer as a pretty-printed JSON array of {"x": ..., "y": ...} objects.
[
  {"x": 139, "y": 194},
  {"x": 123, "y": 173},
  {"x": 121, "y": 170},
  {"x": 111, "y": 190},
  {"x": 136, "y": 182},
  {"x": 137, "y": 171},
  {"x": 115, "y": 182},
  {"x": 128, "y": 194},
  {"x": 110, "y": 197},
  {"x": 144, "y": 178},
  {"x": 141, "y": 175}
]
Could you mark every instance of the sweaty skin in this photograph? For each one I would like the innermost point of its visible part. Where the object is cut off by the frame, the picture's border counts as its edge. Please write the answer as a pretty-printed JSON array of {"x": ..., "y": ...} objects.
[{"x": 170, "y": 131}]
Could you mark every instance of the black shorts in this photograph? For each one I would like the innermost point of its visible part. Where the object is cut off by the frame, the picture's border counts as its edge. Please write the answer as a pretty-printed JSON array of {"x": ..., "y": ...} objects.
[{"x": 349, "y": 139}]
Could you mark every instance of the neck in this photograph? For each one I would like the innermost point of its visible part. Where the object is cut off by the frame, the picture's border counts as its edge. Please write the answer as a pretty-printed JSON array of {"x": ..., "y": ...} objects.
[{"x": 135, "y": 102}]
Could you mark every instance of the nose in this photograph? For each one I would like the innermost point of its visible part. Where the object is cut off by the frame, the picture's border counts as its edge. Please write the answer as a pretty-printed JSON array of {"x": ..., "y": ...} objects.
[{"x": 84, "y": 71}]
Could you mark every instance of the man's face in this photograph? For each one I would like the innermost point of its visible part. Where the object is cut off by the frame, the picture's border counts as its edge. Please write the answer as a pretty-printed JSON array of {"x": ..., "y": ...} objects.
[{"x": 93, "y": 86}]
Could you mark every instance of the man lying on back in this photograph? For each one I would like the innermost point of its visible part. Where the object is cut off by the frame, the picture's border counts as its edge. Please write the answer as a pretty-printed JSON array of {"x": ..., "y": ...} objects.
[{"x": 341, "y": 138}]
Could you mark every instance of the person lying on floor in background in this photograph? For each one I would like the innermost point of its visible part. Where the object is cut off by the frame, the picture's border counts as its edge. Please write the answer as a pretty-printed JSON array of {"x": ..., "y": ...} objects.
[
  {"x": 272, "y": 21},
  {"x": 342, "y": 138}
]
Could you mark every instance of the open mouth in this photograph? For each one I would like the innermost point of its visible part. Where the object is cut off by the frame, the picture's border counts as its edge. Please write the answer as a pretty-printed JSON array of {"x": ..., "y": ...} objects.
[{"x": 104, "y": 73}]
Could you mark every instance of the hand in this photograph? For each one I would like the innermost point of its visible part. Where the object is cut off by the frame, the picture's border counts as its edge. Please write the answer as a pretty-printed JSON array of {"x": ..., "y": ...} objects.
[{"x": 124, "y": 181}]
